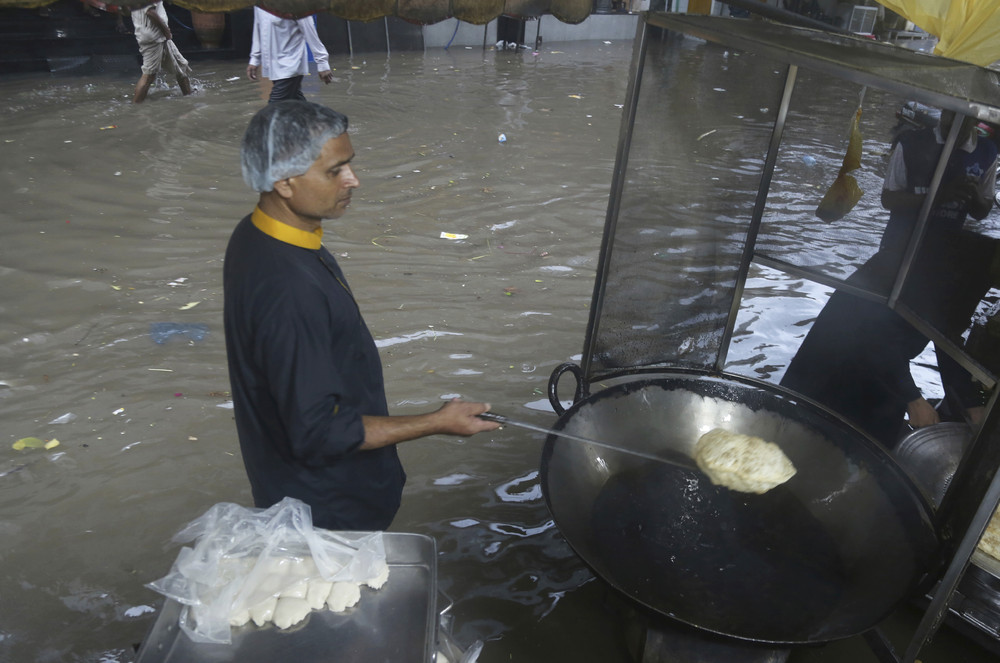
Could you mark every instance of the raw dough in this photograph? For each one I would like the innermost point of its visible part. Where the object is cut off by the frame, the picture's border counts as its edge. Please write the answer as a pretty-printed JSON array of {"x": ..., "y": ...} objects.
[
  {"x": 287, "y": 588},
  {"x": 239, "y": 618},
  {"x": 381, "y": 575},
  {"x": 742, "y": 462},
  {"x": 290, "y": 611},
  {"x": 343, "y": 595},
  {"x": 263, "y": 611},
  {"x": 319, "y": 589},
  {"x": 295, "y": 591}
]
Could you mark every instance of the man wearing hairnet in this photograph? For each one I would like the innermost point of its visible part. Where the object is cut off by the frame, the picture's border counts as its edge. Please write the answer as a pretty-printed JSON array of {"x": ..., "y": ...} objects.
[
  {"x": 279, "y": 49},
  {"x": 306, "y": 377}
]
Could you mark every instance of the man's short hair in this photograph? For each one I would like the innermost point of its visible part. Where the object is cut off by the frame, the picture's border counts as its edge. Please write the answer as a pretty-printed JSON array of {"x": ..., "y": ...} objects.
[{"x": 284, "y": 139}]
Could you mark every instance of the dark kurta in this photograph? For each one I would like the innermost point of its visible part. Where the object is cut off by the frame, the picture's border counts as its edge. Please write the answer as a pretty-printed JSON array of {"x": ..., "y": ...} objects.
[{"x": 304, "y": 369}]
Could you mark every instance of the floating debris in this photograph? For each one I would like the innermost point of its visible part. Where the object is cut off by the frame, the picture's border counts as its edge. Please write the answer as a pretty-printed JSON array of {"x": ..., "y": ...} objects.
[
  {"x": 34, "y": 443},
  {"x": 161, "y": 332}
]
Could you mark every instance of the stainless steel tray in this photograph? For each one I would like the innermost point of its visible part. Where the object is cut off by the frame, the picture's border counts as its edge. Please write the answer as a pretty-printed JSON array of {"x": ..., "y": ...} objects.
[{"x": 396, "y": 624}]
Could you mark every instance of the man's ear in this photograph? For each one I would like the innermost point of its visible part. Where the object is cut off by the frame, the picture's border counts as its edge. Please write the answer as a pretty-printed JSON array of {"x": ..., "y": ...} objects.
[{"x": 284, "y": 188}]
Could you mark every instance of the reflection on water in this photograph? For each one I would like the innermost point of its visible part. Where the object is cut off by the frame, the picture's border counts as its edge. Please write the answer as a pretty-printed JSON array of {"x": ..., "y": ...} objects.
[{"x": 115, "y": 223}]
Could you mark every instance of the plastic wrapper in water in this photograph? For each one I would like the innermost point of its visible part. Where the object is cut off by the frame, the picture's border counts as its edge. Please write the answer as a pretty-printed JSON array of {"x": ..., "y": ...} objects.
[
  {"x": 161, "y": 332},
  {"x": 242, "y": 557},
  {"x": 844, "y": 193}
]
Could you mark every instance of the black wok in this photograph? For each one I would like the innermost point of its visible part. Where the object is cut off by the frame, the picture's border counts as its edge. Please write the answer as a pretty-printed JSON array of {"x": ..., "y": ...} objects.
[{"x": 825, "y": 556}]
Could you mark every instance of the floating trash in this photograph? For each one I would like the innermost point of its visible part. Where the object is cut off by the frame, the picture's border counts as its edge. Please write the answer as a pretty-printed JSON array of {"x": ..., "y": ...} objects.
[
  {"x": 34, "y": 443},
  {"x": 161, "y": 332}
]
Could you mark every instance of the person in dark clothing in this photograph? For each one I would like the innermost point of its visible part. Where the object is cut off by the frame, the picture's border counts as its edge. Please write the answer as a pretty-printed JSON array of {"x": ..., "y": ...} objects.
[
  {"x": 951, "y": 274},
  {"x": 306, "y": 378},
  {"x": 856, "y": 357}
]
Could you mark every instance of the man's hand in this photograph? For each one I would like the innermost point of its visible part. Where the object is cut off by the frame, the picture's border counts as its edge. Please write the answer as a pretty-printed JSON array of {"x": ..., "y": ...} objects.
[
  {"x": 921, "y": 413},
  {"x": 976, "y": 414},
  {"x": 960, "y": 190},
  {"x": 326, "y": 76},
  {"x": 253, "y": 71},
  {"x": 457, "y": 417},
  {"x": 966, "y": 193},
  {"x": 155, "y": 18}
]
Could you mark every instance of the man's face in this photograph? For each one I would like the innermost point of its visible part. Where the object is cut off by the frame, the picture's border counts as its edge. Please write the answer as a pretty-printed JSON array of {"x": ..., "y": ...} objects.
[{"x": 324, "y": 191}]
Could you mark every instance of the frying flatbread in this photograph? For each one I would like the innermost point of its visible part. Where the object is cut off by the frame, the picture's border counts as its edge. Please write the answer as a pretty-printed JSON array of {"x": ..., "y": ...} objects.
[{"x": 742, "y": 462}]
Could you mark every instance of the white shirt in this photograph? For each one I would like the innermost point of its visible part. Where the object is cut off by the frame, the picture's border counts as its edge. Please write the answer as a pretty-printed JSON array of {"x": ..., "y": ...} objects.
[
  {"x": 279, "y": 46},
  {"x": 897, "y": 179},
  {"x": 147, "y": 32}
]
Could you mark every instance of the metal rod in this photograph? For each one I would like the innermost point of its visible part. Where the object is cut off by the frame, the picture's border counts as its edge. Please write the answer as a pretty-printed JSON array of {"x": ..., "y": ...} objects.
[
  {"x": 617, "y": 185},
  {"x": 819, "y": 277},
  {"x": 949, "y": 346},
  {"x": 758, "y": 214},
  {"x": 686, "y": 463},
  {"x": 925, "y": 211}
]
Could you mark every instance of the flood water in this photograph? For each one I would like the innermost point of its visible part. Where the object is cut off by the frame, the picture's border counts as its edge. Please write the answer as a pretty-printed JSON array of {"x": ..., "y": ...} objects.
[{"x": 114, "y": 227}]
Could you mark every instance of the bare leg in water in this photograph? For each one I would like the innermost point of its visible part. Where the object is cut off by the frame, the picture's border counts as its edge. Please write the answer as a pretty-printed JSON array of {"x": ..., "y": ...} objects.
[
  {"x": 146, "y": 80},
  {"x": 142, "y": 88}
]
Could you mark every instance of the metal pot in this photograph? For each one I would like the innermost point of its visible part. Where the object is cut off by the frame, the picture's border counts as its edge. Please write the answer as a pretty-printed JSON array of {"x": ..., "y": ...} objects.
[
  {"x": 932, "y": 454},
  {"x": 825, "y": 556}
]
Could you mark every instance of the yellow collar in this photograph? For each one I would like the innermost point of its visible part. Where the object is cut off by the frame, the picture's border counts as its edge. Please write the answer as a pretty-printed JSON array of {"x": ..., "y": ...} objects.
[{"x": 285, "y": 233}]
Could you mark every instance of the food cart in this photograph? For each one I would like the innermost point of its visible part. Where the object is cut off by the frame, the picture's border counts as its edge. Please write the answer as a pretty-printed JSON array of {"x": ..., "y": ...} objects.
[{"x": 718, "y": 176}]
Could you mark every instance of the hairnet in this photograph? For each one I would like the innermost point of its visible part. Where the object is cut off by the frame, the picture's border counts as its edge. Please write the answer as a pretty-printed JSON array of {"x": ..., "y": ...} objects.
[{"x": 283, "y": 140}]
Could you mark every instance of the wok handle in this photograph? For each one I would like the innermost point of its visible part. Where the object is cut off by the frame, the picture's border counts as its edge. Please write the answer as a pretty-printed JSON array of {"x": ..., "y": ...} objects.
[{"x": 578, "y": 394}]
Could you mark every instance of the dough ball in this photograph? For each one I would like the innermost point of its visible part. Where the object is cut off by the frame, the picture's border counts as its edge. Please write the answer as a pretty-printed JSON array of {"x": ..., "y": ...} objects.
[
  {"x": 742, "y": 462},
  {"x": 343, "y": 595},
  {"x": 263, "y": 611},
  {"x": 303, "y": 567},
  {"x": 318, "y": 590},
  {"x": 297, "y": 590},
  {"x": 239, "y": 618},
  {"x": 290, "y": 611},
  {"x": 271, "y": 577},
  {"x": 381, "y": 575}
]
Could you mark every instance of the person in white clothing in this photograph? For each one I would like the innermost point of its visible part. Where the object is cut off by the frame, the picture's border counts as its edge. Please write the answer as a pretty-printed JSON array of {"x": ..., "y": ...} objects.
[
  {"x": 157, "y": 49},
  {"x": 279, "y": 53}
]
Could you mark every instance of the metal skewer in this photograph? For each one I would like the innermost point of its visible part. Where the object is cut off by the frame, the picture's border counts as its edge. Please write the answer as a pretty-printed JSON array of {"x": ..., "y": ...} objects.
[{"x": 681, "y": 461}]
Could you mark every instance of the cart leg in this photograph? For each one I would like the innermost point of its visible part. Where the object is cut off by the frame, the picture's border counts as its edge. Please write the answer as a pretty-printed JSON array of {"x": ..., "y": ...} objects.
[{"x": 881, "y": 646}]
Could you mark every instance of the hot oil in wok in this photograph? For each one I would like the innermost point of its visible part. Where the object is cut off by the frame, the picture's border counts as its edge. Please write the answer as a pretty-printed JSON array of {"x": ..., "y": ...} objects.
[{"x": 727, "y": 561}]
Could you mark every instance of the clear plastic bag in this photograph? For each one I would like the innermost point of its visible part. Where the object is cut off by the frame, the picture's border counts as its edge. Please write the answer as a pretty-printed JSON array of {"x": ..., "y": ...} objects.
[{"x": 241, "y": 558}]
